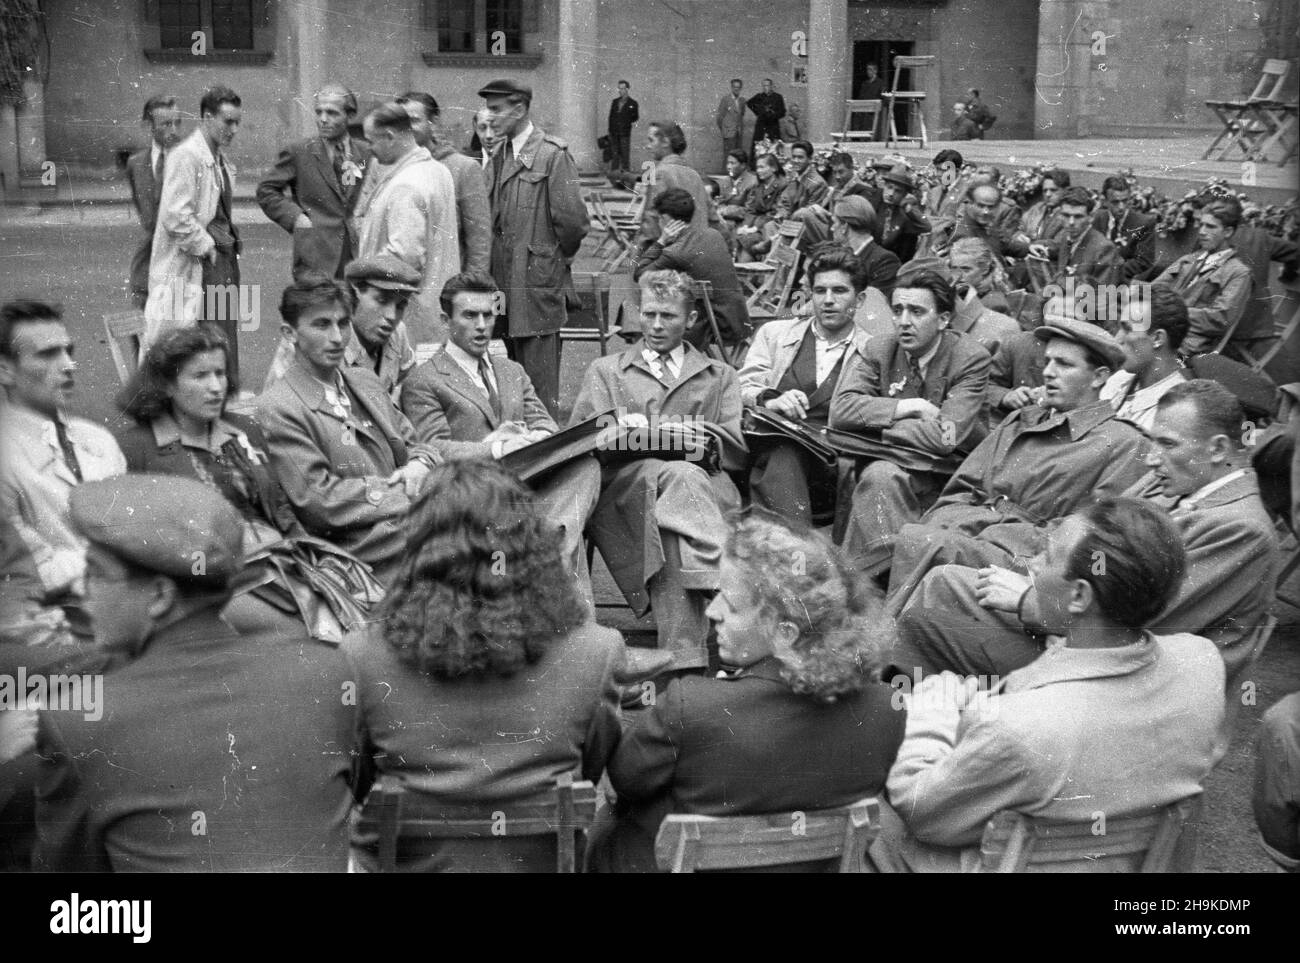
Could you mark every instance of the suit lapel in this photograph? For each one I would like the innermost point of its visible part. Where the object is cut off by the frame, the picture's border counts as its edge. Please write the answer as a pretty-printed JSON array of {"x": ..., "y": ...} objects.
[
  {"x": 459, "y": 382},
  {"x": 326, "y": 167},
  {"x": 377, "y": 417}
]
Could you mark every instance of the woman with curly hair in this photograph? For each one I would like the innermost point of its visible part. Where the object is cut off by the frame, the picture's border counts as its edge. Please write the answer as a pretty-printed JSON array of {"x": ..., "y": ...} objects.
[
  {"x": 177, "y": 424},
  {"x": 802, "y": 723},
  {"x": 482, "y": 680}
]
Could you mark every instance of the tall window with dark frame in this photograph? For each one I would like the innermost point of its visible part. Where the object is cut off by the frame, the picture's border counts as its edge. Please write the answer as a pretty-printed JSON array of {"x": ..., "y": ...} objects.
[
  {"x": 456, "y": 26},
  {"x": 227, "y": 24},
  {"x": 506, "y": 16}
]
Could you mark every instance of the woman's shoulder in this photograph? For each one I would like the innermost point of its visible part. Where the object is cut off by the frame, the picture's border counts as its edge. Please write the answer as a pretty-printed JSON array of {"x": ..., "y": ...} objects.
[
  {"x": 593, "y": 644},
  {"x": 247, "y": 424}
]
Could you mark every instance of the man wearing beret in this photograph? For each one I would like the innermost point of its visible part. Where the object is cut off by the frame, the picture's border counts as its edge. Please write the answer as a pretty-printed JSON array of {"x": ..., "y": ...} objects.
[
  {"x": 44, "y": 455},
  {"x": 214, "y": 751},
  {"x": 538, "y": 222},
  {"x": 1040, "y": 463},
  {"x": 313, "y": 187},
  {"x": 346, "y": 457},
  {"x": 383, "y": 286}
]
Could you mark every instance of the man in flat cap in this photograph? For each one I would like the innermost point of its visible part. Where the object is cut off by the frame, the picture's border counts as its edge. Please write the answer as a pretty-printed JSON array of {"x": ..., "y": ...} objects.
[
  {"x": 219, "y": 752},
  {"x": 407, "y": 210},
  {"x": 902, "y": 219},
  {"x": 44, "y": 455},
  {"x": 383, "y": 286},
  {"x": 347, "y": 458},
  {"x": 313, "y": 187},
  {"x": 538, "y": 223},
  {"x": 1040, "y": 463},
  {"x": 855, "y": 223},
  {"x": 922, "y": 387},
  {"x": 466, "y": 404}
]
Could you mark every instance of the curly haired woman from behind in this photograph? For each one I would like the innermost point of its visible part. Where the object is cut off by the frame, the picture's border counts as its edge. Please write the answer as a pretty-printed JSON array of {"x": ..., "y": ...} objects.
[
  {"x": 803, "y": 723},
  {"x": 482, "y": 680}
]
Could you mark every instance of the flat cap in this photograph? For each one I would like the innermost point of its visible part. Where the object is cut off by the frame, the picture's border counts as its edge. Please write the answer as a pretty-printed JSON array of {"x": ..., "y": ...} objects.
[
  {"x": 937, "y": 265},
  {"x": 384, "y": 271},
  {"x": 887, "y": 162},
  {"x": 506, "y": 88},
  {"x": 162, "y": 523},
  {"x": 1093, "y": 338},
  {"x": 900, "y": 175},
  {"x": 855, "y": 210}
]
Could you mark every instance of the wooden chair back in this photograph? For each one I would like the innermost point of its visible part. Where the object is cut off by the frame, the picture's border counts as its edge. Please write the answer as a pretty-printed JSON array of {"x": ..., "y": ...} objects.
[
  {"x": 563, "y": 812},
  {"x": 773, "y": 295},
  {"x": 686, "y": 844},
  {"x": 125, "y": 330},
  {"x": 856, "y": 108},
  {"x": 1271, "y": 79},
  {"x": 597, "y": 284},
  {"x": 1149, "y": 843}
]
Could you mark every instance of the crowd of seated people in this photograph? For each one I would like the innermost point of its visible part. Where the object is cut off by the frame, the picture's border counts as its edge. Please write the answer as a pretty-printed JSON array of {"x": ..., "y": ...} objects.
[{"x": 366, "y": 522}]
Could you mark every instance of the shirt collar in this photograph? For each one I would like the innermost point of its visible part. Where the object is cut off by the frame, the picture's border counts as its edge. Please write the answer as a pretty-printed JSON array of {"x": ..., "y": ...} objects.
[
  {"x": 521, "y": 138},
  {"x": 923, "y": 362},
  {"x": 675, "y": 356},
  {"x": 1206, "y": 490},
  {"x": 167, "y": 431},
  {"x": 462, "y": 357}
]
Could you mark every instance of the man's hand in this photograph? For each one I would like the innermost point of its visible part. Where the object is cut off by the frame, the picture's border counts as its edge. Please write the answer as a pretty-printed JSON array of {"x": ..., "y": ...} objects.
[
  {"x": 670, "y": 229},
  {"x": 411, "y": 476},
  {"x": 302, "y": 223},
  {"x": 211, "y": 256},
  {"x": 792, "y": 404},
  {"x": 1000, "y": 589},
  {"x": 1018, "y": 398},
  {"x": 915, "y": 408},
  {"x": 1039, "y": 252},
  {"x": 18, "y": 729}
]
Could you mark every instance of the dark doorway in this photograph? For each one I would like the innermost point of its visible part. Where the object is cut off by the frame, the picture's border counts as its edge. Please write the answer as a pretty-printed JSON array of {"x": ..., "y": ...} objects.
[{"x": 882, "y": 54}]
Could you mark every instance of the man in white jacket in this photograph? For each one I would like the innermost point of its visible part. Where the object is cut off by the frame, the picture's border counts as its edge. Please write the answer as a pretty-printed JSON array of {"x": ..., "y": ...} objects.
[{"x": 407, "y": 209}]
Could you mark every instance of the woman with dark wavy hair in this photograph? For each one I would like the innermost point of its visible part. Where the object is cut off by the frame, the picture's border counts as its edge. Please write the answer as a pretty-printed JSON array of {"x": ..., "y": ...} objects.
[
  {"x": 803, "y": 723},
  {"x": 483, "y": 679},
  {"x": 177, "y": 424}
]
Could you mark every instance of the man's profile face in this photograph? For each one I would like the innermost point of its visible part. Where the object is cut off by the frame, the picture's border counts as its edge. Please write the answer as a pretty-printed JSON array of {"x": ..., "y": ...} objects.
[
  {"x": 222, "y": 126},
  {"x": 331, "y": 117},
  {"x": 1074, "y": 218},
  {"x": 421, "y": 125},
  {"x": 117, "y": 602},
  {"x": 1069, "y": 379},
  {"x": 1136, "y": 337},
  {"x": 917, "y": 319},
  {"x": 799, "y": 160},
  {"x": 165, "y": 126},
  {"x": 1047, "y": 571},
  {"x": 377, "y": 314},
  {"x": 834, "y": 300},
  {"x": 984, "y": 203},
  {"x": 656, "y": 144},
  {"x": 664, "y": 320},
  {"x": 505, "y": 118},
  {"x": 1183, "y": 460},
  {"x": 323, "y": 332},
  {"x": 473, "y": 313},
  {"x": 39, "y": 376},
  {"x": 383, "y": 142}
]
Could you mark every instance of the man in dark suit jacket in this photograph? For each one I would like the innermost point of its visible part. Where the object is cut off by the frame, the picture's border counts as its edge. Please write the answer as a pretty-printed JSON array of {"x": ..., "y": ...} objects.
[
  {"x": 144, "y": 172},
  {"x": 210, "y": 751},
  {"x": 922, "y": 388},
  {"x": 768, "y": 108},
  {"x": 623, "y": 113},
  {"x": 463, "y": 403},
  {"x": 313, "y": 187},
  {"x": 684, "y": 244},
  {"x": 1132, "y": 232}
]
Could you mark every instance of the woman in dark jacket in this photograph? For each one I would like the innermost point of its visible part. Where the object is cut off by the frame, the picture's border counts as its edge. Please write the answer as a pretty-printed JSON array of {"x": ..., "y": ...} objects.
[
  {"x": 483, "y": 680},
  {"x": 177, "y": 424},
  {"x": 754, "y": 241},
  {"x": 802, "y": 724}
]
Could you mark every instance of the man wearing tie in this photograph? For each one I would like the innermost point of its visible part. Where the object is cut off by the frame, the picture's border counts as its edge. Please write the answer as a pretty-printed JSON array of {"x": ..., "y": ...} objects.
[
  {"x": 313, "y": 187},
  {"x": 538, "y": 223},
  {"x": 730, "y": 119},
  {"x": 144, "y": 172},
  {"x": 464, "y": 403}
]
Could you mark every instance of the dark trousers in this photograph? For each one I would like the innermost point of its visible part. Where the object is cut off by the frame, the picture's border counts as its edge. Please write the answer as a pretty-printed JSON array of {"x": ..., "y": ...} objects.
[
  {"x": 620, "y": 147},
  {"x": 770, "y": 129},
  {"x": 222, "y": 308},
  {"x": 540, "y": 357},
  {"x": 789, "y": 480}
]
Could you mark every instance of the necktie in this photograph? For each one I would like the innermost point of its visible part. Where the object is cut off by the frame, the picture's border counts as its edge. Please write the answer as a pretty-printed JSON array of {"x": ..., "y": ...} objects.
[
  {"x": 494, "y": 399},
  {"x": 69, "y": 452},
  {"x": 158, "y": 166},
  {"x": 914, "y": 371},
  {"x": 337, "y": 151},
  {"x": 664, "y": 357}
]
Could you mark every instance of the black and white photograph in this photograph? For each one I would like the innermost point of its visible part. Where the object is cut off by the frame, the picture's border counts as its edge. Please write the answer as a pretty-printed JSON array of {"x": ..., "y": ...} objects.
[{"x": 650, "y": 436}]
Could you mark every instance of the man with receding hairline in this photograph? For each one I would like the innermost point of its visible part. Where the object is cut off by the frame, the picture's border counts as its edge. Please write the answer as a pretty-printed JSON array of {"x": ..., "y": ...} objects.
[{"x": 144, "y": 172}]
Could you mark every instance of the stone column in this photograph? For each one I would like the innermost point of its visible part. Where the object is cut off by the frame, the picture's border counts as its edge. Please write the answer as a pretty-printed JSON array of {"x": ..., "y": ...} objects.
[
  {"x": 1064, "y": 41},
  {"x": 8, "y": 147},
  {"x": 310, "y": 45},
  {"x": 828, "y": 65},
  {"x": 577, "y": 80},
  {"x": 30, "y": 117}
]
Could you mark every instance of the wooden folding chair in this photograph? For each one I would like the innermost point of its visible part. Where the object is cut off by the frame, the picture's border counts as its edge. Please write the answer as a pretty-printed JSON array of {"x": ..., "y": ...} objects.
[
  {"x": 1280, "y": 119},
  {"x": 598, "y": 284},
  {"x": 625, "y": 307},
  {"x": 703, "y": 291},
  {"x": 754, "y": 274},
  {"x": 563, "y": 812},
  {"x": 856, "y": 108},
  {"x": 773, "y": 296},
  {"x": 1242, "y": 128},
  {"x": 686, "y": 844},
  {"x": 125, "y": 330},
  {"x": 1016, "y": 843},
  {"x": 615, "y": 246},
  {"x": 914, "y": 99},
  {"x": 1286, "y": 321}
]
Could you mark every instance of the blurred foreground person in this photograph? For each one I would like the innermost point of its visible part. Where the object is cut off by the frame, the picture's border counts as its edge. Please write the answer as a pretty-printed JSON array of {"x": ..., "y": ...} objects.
[
  {"x": 211, "y": 751},
  {"x": 801, "y": 724},
  {"x": 484, "y": 680}
]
